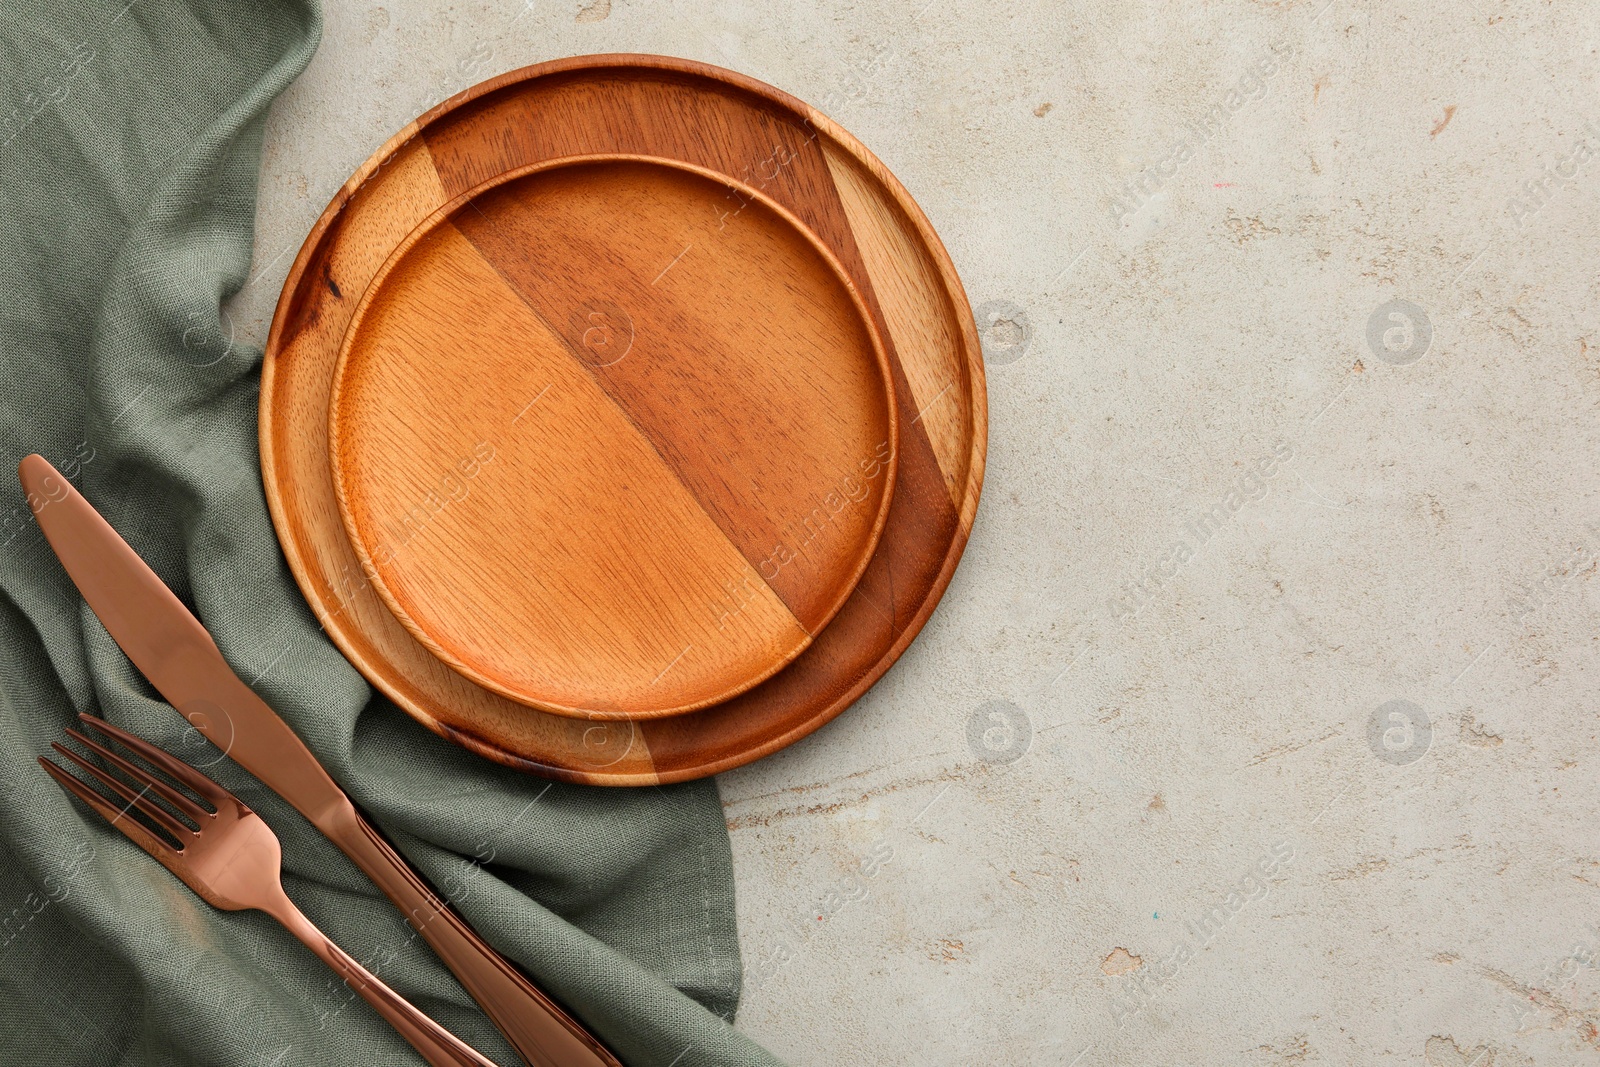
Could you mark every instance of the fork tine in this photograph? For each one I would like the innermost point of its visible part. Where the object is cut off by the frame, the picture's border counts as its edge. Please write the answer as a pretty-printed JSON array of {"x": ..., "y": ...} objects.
[
  {"x": 150, "y": 808},
  {"x": 130, "y": 828},
  {"x": 202, "y": 786},
  {"x": 189, "y": 808}
]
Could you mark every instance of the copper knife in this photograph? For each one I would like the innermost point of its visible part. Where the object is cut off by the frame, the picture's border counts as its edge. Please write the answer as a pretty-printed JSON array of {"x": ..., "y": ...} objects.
[{"x": 176, "y": 653}]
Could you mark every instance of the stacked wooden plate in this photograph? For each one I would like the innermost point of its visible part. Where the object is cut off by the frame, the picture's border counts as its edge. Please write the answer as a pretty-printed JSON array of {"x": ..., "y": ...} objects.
[{"x": 623, "y": 419}]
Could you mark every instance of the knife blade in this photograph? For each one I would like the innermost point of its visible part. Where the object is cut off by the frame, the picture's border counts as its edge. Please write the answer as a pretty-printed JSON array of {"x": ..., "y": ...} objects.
[{"x": 178, "y": 655}]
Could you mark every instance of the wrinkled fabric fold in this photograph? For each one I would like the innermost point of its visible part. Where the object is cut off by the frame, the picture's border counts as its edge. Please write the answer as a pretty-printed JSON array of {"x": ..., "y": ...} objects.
[{"x": 130, "y": 136}]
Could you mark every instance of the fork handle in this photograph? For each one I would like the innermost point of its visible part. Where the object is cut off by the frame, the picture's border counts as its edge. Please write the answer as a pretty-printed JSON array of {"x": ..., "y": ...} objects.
[
  {"x": 438, "y": 1046},
  {"x": 537, "y": 1027}
]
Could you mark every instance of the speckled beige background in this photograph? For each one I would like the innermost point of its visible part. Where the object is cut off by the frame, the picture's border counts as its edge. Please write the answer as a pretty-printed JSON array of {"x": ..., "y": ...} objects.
[{"x": 1259, "y": 724}]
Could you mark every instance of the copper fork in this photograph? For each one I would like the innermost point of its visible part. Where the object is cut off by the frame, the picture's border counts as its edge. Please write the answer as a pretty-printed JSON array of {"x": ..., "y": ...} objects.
[{"x": 231, "y": 858}]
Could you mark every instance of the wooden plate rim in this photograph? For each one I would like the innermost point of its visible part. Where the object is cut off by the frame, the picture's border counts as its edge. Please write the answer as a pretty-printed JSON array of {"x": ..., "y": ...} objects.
[{"x": 911, "y": 213}]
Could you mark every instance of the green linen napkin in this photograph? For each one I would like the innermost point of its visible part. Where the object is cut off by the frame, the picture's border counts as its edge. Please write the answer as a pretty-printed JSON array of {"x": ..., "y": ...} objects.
[{"x": 129, "y": 139}]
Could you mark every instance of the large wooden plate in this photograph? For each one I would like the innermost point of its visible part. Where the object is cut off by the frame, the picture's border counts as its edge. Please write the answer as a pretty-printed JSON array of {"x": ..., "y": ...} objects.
[
  {"x": 603, "y": 453},
  {"x": 727, "y": 124}
]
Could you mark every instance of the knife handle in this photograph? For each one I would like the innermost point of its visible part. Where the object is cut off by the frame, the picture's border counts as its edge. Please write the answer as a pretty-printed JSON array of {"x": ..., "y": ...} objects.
[{"x": 537, "y": 1027}]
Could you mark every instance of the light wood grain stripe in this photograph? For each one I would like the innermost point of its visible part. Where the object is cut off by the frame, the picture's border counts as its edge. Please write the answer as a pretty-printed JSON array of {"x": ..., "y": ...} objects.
[{"x": 905, "y": 283}]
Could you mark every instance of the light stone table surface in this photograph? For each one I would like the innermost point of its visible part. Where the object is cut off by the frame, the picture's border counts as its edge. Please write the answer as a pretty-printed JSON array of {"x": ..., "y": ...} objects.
[{"x": 1259, "y": 724}]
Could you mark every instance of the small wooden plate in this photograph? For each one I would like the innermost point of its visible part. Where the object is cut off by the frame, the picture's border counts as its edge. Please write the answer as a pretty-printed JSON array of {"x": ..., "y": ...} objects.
[
  {"x": 604, "y": 453},
  {"x": 754, "y": 136}
]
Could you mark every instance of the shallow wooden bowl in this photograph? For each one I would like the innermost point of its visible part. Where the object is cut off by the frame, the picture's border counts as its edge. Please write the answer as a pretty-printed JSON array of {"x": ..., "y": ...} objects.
[
  {"x": 604, "y": 453},
  {"x": 754, "y": 137}
]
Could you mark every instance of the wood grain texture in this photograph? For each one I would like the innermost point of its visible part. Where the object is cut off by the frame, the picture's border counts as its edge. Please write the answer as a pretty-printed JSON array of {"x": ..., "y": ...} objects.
[
  {"x": 903, "y": 270},
  {"x": 572, "y": 548},
  {"x": 751, "y": 366},
  {"x": 808, "y": 166}
]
